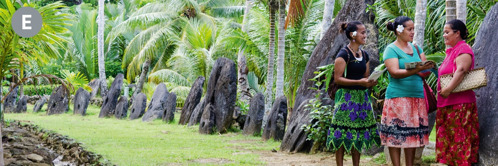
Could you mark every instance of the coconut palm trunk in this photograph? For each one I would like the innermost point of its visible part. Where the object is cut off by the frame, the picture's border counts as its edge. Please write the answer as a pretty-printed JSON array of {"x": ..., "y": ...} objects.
[
  {"x": 243, "y": 89},
  {"x": 281, "y": 49},
  {"x": 450, "y": 10},
  {"x": 1, "y": 124},
  {"x": 328, "y": 14},
  {"x": 461, "y": 10},
  {"x": 143, "y": 77},
  {"x": 271, "y": 65},
  {"x": 420, "y": 16},
  {"x": 101, "y": 62}
]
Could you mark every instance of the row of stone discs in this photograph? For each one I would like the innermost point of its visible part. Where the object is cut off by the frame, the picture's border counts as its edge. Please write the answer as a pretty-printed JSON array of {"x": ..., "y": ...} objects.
[{"x": 10, "y": 104}]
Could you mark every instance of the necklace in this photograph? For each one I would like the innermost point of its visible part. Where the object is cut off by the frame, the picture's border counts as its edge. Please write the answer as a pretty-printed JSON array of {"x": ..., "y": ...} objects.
[{"x": 355, "y": 53}]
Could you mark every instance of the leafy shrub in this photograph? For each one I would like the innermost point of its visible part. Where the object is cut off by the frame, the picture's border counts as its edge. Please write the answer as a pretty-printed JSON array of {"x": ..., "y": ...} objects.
[{"x": 320, "y": 114}]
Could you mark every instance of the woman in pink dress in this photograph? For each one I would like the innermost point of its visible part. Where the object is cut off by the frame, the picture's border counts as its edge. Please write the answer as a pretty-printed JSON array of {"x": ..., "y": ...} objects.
[{"x": 457, "y": 124}]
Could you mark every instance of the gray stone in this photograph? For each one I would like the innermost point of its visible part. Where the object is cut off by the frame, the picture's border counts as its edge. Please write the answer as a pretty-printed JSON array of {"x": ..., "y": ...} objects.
[
  {"x": 208, "y": 120},
  {"x": 169, "y": 113},
  {"x": 157, "y": 104},
  {"x": 81, "y": 101},
  {"x": 9, "y": 105},
  {"x": 34, "y": 157},
  {"x": 222, "y": 92},
  {"x": 39, "y": 104},
  {"x": 138, "y": 106},
  {"x": 193, "y": 98},
  {"x": 59, "y": 101},
  {"x": 95, "y": 85},
  {"x": 22, "y": 105},
  {"x": 487, "y": 56},
  {"x": 275, "y": 127},
  {"x": 195, "y": 118},
  {"x": 121, "y": 111},
  {"x": 111, "y": 99},
  {"x": 323, "y": 54},
  {"x": 254, "y": 118}
]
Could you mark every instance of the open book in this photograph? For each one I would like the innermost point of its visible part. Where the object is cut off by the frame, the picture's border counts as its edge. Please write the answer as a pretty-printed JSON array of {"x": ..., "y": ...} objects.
[{"x": 376, "y": 74}]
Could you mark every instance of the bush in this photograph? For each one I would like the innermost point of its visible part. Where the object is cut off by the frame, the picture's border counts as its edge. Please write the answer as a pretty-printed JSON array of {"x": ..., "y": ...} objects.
[
  {"x": 32, "y": 90},
  {"x": 320, "y": 117}
]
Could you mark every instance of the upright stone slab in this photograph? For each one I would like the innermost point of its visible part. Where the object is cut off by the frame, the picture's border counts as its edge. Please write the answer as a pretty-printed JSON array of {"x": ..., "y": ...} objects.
[
  {"x": 111, "y": 99},
  {"x": 39, "y": 104},
  {"x": 254, "y": 118},
  {"x": 295, "y": 138},
  {"x": 275, "y": 128},
  {"x": 121, "y": 111},
  {"x": 95, "y": 85},
  {"x": 195, "y": 118},
  {"x": 22, "y": 105},
  {"x": 138, "y": 106},
  {"x": 487, "y": 105},
  {"x": 81, "y": 101},
  {"x": 58, "y": 102},
  {"x": 9, "y": 104},
  {"x": 208, "y": 120},
  {"x": 193, "y": 98},
  {"x": 169, "y": 113},
  {"x": 222, "y": 92},
  {"x": 157, "y": 104}
]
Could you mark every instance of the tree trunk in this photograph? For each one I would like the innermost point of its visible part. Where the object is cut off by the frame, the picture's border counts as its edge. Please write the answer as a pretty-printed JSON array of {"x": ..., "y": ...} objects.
[
  {"x": 243, "y": 88},
  {"x": 328, "y": 14},
  {"x": 143, "y": 77},
  {"x": 269, "y": 76},
  {"x": 461, "y": 9},
  {"x": 281, "y": 50},
  {"x": 101, "y": 62},
  {"x": 420, "y": 16},
  {"x": 450, "y": 10},
  {"x": 1, "y": 125}
]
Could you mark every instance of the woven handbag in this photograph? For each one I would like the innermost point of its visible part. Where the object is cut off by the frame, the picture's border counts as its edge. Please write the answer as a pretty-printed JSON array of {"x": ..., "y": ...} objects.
[{"x": 474, "y": 79}]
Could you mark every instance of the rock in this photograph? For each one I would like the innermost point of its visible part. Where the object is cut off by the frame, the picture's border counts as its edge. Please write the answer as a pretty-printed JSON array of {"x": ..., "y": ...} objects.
[
  {"x": 58, "y": 102},
  {"x": 9, "y": 105},
  {"x": 121, "y": 111},
  {"x": 196, "y": 115},
  {"x": 275, "y": 127},
  {"x": 254, "y": 118},
  {"x": 39, "y": 104},
  {"x": 323, "y": 54},
  {"x": 169, "y": 113},
  {"x": 111, "y": 99},
  {"x": 96, "y": 101},
  {"x": 295, "y": 137},
  {"x": 33, "y": 99},
  {"x": 22, "y": 105},
  {"x": 222, "y": 92},
  {"x": 486, "y": 56},
  {"x": 208, "y": 120},
  {"x": 34, "y": 157},
  {"x": 157, "y": 104},
  {"x": 138, "y": 106},
  {"x": 193, "y": 98},
  {"x": 95, "y": 85},
  {"x": 81, "y": 101}
]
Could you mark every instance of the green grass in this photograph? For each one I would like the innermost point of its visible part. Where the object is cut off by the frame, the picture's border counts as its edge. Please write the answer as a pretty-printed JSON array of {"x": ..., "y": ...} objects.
[{"x": 126, "y": 142}]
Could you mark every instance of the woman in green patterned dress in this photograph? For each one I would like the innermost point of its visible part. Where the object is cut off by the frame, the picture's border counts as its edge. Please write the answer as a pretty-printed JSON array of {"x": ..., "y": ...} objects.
[{"x": 353, "y": 124}]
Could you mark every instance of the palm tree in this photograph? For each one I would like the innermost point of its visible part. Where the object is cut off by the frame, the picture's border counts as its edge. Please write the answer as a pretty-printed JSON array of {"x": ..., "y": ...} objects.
[
  {"x": 101, "y": 62},
  {"x": 450, "y": 10},
  {"x": 273, "y": 6},
  {"x": 328, "y": 14},
  {"x": 461, "y": 9},
  {"x": 420, "y": 15},
  {"x": 281, "y": 49}
]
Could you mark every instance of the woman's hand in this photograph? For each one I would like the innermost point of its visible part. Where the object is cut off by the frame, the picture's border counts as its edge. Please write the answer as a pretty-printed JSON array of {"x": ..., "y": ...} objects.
[
  {"x": 445, "y": 92},
  {"x": 424, "y": 67},
  {"x": 368, "y": 83}
]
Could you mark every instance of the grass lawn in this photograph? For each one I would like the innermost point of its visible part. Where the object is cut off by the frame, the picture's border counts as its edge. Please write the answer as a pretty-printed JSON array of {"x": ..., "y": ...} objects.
[{"x": 126, "y": 142}]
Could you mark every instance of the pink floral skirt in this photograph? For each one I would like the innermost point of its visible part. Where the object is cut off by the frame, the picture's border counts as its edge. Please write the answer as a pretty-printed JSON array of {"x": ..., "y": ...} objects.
[
  {"x": 404, "y": 123},
  {"x": 457, "y": 141}
]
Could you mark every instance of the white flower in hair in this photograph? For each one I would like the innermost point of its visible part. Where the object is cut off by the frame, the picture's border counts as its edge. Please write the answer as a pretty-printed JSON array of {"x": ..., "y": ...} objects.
[
  {"x": 400, "y": 28},
  {"x": 354, "y": 34}
]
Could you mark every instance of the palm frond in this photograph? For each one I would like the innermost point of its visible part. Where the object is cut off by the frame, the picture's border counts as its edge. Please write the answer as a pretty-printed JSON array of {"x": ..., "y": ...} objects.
[{"x": 167, "y": 75}]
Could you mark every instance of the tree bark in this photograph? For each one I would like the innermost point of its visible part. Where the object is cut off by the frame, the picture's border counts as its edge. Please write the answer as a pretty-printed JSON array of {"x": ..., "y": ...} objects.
[
  {"x": 143, "y": 77},
  {"x": 101, "y": 61},
  {"x": 461, "y": 9},
  {"x": 1, "y": 126},
  {"x": 420, "y": 16},
  {"x": 243, "y": 88},
  {"x": 328, "y": 14},
  {"x": 281, "y": 50},
  {"x": 271, "y": 65},
  {"x": 450, "y": 10}
]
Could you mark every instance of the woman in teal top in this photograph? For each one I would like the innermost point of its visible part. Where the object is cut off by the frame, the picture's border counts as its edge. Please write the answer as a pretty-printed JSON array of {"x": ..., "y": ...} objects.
[{"x": 404, "y": 121}]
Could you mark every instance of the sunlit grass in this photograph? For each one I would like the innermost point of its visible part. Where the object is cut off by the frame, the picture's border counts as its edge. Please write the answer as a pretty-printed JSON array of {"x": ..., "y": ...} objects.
[{"x": 134, "y": 142}]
